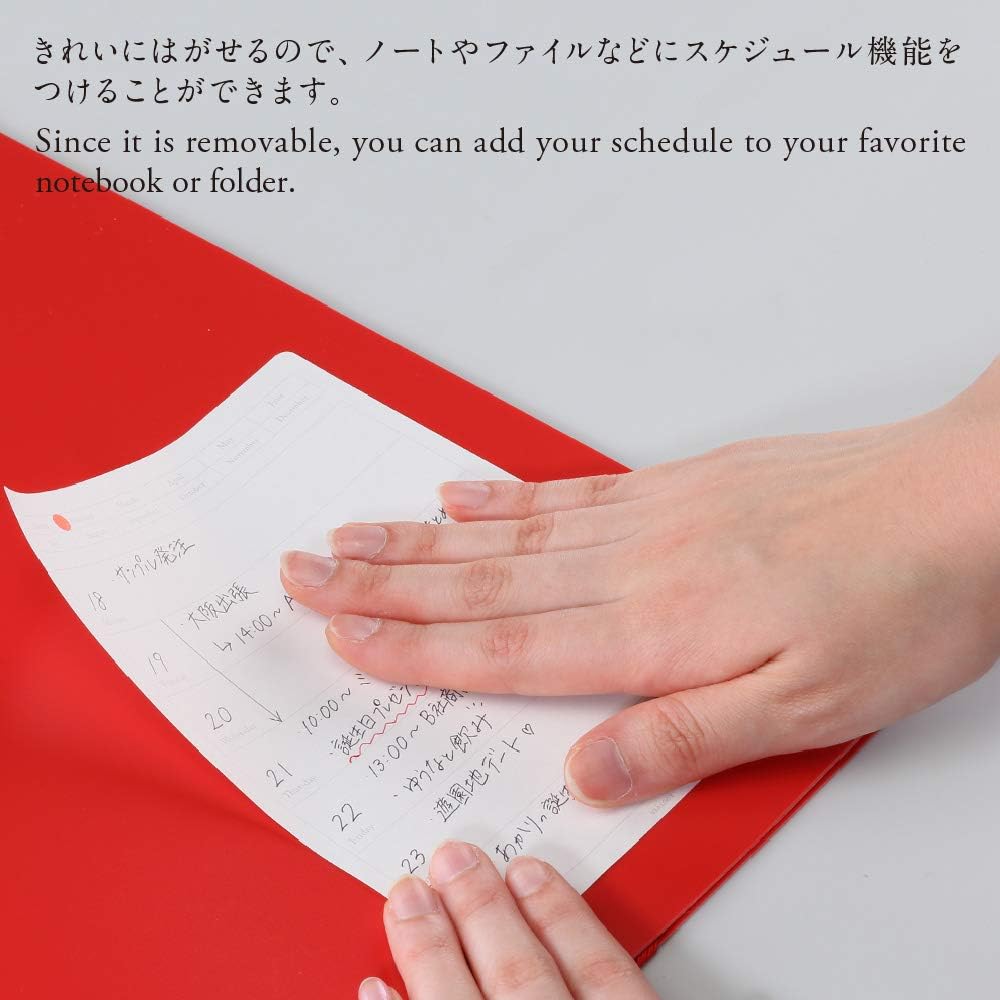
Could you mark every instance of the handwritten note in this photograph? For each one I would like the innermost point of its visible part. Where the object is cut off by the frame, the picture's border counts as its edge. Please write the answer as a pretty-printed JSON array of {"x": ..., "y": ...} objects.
[{"x": 172, "y": 563}]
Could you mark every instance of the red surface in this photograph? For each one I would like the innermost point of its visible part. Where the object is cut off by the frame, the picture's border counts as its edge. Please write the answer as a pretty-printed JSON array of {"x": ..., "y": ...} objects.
[{"x": 131, "y": 867}]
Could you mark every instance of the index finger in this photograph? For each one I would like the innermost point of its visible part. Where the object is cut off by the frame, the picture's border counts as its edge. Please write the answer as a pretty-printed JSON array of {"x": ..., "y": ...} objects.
[
  {"x": 574, "y": 651},
  {"x": 424, "y": 944}
]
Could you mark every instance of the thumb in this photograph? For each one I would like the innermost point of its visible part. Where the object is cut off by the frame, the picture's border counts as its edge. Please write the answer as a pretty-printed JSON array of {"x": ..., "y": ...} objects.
[{"x": 664, "y": 743}]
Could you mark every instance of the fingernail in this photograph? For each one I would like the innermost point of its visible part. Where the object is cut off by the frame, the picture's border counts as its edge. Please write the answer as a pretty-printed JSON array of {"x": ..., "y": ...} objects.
[
  {"x": 306, "y": 569},
  {"x": 412, "y": 897},
  {"x": 358, "y": 541},
  {"x": 355, "y": 628},
  {"x": 450, "y": 860},
  {"x": 526, "y": 875},
  {"x": 596, "y": 772},
  {"x": 466, "y": 495},
  {"x": 373, "y": 989}
]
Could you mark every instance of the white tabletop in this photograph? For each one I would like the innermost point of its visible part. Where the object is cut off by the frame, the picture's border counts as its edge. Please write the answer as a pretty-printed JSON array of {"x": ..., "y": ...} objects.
[{"x": 653, "y": 306}]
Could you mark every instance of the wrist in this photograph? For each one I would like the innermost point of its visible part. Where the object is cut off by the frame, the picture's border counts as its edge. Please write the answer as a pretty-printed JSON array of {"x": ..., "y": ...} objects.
[
  {"x": 965, "y": 445},
  {"x": 980, "y": 402}
]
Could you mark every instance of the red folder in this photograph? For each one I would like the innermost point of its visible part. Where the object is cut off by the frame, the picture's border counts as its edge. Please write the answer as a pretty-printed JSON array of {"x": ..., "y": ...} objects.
[{"x": 129, "y": 867}]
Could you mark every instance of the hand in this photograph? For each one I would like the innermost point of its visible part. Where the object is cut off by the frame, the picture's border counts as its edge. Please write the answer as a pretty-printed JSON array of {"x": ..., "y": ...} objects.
[
  {"x": 471, "y": 936},
  {"x": 768, "y": 597}
]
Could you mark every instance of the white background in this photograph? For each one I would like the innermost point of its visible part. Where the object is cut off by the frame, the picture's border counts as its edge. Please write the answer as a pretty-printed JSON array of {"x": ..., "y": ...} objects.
[{"x": 655, "y": 306}]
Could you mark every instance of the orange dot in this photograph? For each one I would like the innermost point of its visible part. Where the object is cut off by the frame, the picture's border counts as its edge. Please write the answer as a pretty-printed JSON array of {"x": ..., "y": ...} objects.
[{"x": 62, "y": 522}]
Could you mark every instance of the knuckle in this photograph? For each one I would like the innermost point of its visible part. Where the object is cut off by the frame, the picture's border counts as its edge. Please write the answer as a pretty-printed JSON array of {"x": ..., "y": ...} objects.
[
  {"x": 551, "y": 914},
  {"x": 373, "y": 579},
  {"x": 600, "y": 973},
  {"x": 598, "y": 487},
  {"x": 515, "y": 974},
  {"x": 533, "y": 534},
  {"x": 484, "y": 584},
  {"x": 655, "y": 642},
  {"x": 425, "y": 542},
  {"x": 423, "y": 944},
  {"x": 678, "y": 730},
  {"x": 527, "y": 498},
  {"x": 481, "y": 898},
  {"x": 410, "y": 642},
  {"x": 506, "y": 641}
]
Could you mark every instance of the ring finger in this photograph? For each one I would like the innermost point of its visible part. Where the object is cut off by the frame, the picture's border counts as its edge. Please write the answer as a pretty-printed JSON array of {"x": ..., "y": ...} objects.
[{"x": 412, "y": 542}]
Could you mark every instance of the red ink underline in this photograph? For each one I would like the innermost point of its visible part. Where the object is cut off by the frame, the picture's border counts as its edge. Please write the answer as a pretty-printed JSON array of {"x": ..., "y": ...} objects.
[{"x": 371, "y": 739}]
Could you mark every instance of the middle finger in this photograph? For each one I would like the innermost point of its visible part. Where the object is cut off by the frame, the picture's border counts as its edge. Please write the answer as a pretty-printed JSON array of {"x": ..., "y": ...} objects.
[{"x": 471, "y": 591}]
